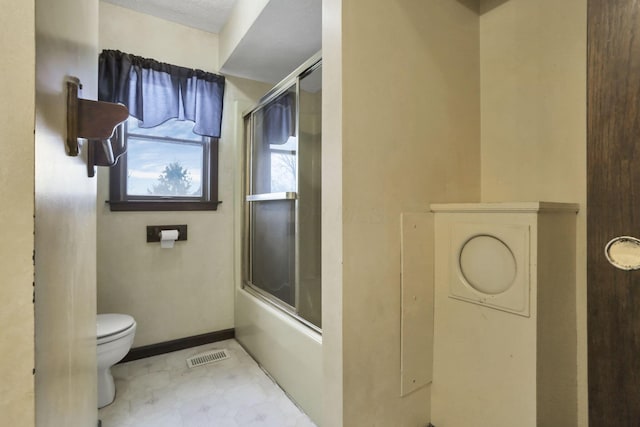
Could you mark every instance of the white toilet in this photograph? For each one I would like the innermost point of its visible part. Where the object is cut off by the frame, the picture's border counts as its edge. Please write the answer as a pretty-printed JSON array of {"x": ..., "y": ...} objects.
[{"x": 115, "y": 334}]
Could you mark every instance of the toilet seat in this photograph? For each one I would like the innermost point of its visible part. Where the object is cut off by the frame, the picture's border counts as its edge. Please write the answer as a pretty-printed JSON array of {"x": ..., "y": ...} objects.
[{"x": 111, "y": 327}]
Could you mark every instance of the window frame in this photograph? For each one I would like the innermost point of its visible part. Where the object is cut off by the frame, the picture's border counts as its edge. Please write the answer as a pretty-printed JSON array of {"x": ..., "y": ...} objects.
[{"x": 119, "y": 200}]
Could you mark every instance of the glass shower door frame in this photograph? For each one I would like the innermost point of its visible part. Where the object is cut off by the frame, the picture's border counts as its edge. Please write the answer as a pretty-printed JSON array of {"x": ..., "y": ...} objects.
[{"x": 293, "y": 80}]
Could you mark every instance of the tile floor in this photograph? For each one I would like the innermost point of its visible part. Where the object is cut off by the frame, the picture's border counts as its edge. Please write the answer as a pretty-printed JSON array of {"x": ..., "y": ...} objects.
[{"x": 161, "y": 391}]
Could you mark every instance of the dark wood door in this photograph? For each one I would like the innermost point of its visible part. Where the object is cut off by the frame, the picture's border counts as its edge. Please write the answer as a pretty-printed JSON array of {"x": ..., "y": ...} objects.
[{"x": 613, "y": 209}]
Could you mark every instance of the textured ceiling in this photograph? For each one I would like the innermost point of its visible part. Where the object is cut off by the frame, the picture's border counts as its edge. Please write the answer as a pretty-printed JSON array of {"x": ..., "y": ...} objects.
[{"x": 207, "y": 15}]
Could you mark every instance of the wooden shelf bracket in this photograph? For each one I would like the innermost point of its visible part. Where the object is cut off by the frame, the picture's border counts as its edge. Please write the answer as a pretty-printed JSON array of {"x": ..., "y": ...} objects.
[{"x": 92, "y": 120}]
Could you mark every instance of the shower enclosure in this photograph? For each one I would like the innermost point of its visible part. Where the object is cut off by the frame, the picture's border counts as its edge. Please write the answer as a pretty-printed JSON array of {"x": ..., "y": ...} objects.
[{"x": 281, "y": 262}]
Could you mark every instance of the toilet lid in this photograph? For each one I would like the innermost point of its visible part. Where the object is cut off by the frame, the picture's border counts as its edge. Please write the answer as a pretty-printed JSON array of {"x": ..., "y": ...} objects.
[{"x": 110, "y": 324}]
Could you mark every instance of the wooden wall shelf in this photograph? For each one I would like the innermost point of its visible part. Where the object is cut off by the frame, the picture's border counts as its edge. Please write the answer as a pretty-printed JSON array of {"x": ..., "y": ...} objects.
[{"x": 92, "y": 120}]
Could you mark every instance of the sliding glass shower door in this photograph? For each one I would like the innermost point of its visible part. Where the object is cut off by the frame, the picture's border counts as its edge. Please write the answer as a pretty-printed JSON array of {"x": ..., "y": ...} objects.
[{"x": 282, "y": 197}]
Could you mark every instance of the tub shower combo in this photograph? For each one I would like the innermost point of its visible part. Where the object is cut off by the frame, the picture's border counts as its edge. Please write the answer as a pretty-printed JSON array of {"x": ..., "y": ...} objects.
[{"x": 283, "y": 196}]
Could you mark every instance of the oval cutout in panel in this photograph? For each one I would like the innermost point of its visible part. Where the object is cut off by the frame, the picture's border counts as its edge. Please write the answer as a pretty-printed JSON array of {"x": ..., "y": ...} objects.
[
  {"x": 487, "y": 264},
  {"x": 624, "y": 253}
]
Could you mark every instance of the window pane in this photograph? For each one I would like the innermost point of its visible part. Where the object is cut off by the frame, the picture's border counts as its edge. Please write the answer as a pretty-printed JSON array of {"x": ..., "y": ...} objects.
[
  {"x": 164, "y": 168},
  {"x": 174, "y": 128}
]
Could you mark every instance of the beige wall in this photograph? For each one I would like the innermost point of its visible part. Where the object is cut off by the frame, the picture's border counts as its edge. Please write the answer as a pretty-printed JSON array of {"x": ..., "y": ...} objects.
[
  {"x": 243, "y": 15},
  {"x": 533, "y": 80},
  {"x": 194, "y": 280},
  {"x": 409, "y": 137},
  {"x": 164, "y": 41},
  {"x": 332, "y": 140},
  {"x": 65, "y": 230},
  {"x": 17, "y": 91}
]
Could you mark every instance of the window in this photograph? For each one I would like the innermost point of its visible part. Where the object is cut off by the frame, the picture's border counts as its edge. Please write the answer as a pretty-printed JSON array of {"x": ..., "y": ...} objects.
[
  {"x": 167, "y": 150},
  {"x": 167, "y": 167}
]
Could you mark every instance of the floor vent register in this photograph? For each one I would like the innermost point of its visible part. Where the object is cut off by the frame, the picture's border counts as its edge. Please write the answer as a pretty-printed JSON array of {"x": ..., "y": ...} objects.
[{"x": 207, "y": 357}]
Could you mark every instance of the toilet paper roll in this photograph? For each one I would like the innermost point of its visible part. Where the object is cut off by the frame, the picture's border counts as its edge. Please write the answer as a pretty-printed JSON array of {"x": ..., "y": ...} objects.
[{"x": 167, "y": 238}]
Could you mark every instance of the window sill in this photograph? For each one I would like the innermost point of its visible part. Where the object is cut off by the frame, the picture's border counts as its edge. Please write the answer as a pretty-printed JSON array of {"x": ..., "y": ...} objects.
[{"x": 150, "y": 206}]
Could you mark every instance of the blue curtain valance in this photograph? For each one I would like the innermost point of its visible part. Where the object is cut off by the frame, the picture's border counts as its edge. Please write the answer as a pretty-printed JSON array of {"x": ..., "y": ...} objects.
[{"x": 155, "y": 92}]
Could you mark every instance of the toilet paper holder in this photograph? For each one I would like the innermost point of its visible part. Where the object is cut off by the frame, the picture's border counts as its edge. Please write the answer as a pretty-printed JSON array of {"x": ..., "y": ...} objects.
[{"x": 153, "y": 231}]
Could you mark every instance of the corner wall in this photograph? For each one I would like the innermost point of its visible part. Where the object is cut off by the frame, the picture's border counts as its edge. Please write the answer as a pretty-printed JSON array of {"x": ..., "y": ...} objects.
[
  {"x": 17, "y": 90},
  {"x": 410, "y": 136},
  {"x": 65, "y": 221},
  {"x": 533, "y": 80},
  {"x": 331, "y": 235}
]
